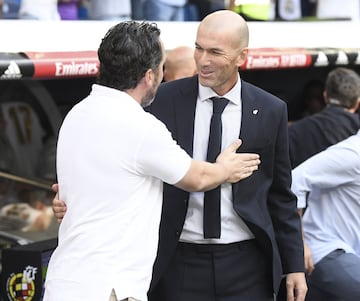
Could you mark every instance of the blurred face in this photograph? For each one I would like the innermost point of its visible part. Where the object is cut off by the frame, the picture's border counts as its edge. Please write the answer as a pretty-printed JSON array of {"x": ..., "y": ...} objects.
[
  {"x": 218, "y": 58},
  {"x": 156, "y": 80}
]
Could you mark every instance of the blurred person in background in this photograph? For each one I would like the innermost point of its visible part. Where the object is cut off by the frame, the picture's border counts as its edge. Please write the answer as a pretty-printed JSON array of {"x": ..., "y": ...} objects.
[
  {"x": 337, "y": 121},
  {"x": 137, "y": 9},
  {"x": 24, "y": 207},
  {"x": 254, "y": 10},
  {"x": 268, "y": 10},
  {"x": 179, "y": 63},
  {"x": 9, "y": 9},
  {"x": 69, "y": 9},
  {"x": 31, "y": 212},
  {"x": 39, "y": 10},
  {"x": 111, "y": 10},
  {"x": 309, "y": 101},
  {"x": 289, "y": 10},
  {"x": 308, "y": 8},
  {"x": 313, "y": 97},
  {"x": 201, "y": 8},
  {"x": 338, "y": 9},
  {"x": 328, "y": 184},
  {"x": 164, "y": 10}
]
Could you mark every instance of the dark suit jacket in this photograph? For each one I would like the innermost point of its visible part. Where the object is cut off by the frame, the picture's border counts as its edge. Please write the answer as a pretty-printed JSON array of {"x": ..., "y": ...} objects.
[{"x": 264, "y": 200}]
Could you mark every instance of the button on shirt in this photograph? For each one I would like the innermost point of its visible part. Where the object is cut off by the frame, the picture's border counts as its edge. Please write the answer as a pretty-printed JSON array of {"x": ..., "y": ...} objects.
[
  {"x": 332, "y": 177},
  {"x": 233, "y": 229}
]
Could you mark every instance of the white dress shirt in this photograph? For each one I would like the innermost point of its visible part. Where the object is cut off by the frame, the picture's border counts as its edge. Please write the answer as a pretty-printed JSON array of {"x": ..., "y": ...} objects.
[
  {"x": 331, "y": 179},
  {"x": 233, "y": 229}
]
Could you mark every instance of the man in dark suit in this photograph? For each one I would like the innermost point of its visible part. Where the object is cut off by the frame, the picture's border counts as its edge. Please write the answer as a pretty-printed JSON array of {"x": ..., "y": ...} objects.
[
  {"x": 336, "y": 122},
  {"x": 260, "y": 231},
  {"x": 260, "y": 235}
]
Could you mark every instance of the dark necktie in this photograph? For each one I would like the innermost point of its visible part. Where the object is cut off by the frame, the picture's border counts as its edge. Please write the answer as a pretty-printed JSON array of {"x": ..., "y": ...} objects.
[{"x": 212, "y": 197}]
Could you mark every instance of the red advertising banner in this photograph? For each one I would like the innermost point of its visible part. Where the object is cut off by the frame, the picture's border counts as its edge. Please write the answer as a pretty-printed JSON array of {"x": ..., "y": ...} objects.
[
  {"x": 77, "y": 64},
  {"x": 64, "y": 64},
  {"x": 271, "y": 58}
]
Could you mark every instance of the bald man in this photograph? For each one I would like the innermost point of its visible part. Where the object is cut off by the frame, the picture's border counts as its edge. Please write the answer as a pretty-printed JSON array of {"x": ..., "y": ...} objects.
[
  {"x": 260, "y": 235},
  {"x": 179, "y": 63}
]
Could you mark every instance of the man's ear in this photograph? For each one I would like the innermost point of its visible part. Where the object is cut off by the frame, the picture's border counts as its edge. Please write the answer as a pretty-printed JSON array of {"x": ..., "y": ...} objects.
[
  {"x": 149, "y": 77},
  {"x": 242, "y": 57}
]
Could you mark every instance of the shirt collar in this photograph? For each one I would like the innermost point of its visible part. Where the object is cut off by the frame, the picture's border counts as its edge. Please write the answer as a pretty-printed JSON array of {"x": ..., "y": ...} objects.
[{"x": 234, "y": 95}]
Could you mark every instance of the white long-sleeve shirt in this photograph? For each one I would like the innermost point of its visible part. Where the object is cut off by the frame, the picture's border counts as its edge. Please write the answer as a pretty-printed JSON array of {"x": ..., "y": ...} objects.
[{"x": 331, "y": 179}]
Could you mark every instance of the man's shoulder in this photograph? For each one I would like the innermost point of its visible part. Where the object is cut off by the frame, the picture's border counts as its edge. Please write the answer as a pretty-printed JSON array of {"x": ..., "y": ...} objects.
[
  {"x": 351, "y": 142},
  {"x": 329, "y": 117},
  {"x": 318, "y": 118},
  {"x": 169, "y": 93},
  {"x": 251, "y": 90},
  {"x": 176, "y": 90},
  {"x": 174, "y": 85}
]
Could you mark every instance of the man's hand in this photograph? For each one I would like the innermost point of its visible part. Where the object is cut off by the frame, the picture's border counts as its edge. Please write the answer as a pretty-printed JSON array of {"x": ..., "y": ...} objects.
[
  {"x": 296, "y": 287},
  {"x": 240, "y": 165},
  {"x": 309, "y": 264},
  {"x": 59, "y": 207}
]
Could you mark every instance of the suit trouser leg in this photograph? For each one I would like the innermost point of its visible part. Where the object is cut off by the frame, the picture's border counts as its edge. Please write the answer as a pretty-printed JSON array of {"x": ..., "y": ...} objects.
[
  {"x": 336, "y": 277},
  {"x": 235, "y": 272}
]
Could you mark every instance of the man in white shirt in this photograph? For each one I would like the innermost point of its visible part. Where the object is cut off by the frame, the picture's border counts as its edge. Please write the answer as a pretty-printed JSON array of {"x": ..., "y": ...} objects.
[
  {"x": 112, "y": 160},
  {"x": 329, "y": 183}
]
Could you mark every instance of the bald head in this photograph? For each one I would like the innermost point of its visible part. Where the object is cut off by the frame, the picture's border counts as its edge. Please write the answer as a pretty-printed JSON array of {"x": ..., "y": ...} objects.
[
  {"x": 229, "y": 23},
  {"x": 179, "y": 63},
  {"x": 221, "y": 49}
]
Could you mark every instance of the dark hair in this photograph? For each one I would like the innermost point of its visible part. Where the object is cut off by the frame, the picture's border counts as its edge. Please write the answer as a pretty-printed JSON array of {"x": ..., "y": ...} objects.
[
  {"x": 342, "y": 87},
  {"x": 126, "y": 52}
]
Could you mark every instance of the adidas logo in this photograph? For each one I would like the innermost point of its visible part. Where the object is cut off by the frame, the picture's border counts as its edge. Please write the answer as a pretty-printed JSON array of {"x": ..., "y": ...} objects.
[{"x": 12, "y": 71}]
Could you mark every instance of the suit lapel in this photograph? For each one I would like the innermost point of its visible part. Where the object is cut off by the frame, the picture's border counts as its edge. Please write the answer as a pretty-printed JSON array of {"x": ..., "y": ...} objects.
[
  {"x": 249, "y": 120},
  {"x": 251, "y": 112},
  {"x": 185, "y": 113}
]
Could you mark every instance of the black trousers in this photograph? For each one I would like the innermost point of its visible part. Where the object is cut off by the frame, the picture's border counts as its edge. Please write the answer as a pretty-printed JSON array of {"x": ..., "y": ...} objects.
[{"x": 230, "y": 272}]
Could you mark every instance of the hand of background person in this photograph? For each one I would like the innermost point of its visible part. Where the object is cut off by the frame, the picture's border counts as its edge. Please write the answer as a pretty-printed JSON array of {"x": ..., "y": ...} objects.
[
  {"x": 309, "y": 264},
  {"x": 240, "y": 165},
  {"x": 58, "y": 207},
  {"x": 296, "y": 287}
]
